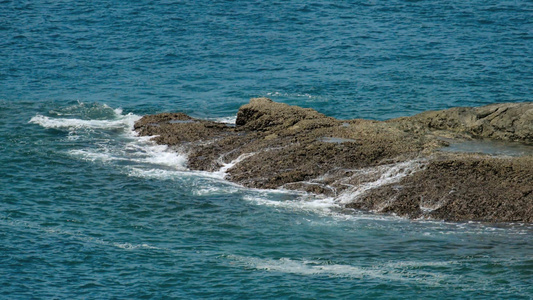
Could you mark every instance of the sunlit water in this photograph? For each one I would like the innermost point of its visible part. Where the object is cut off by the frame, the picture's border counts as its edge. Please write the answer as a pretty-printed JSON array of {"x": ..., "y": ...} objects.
[{"x": 90, "y": 210}]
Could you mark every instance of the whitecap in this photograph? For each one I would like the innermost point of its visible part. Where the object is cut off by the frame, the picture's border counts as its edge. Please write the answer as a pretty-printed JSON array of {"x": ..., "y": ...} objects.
[
  {"x": 141, "y": 157},
  {"x": 143, "y": 150},
  {"x": 127, "y": 146},
  {"x": 125, "y": 122}
]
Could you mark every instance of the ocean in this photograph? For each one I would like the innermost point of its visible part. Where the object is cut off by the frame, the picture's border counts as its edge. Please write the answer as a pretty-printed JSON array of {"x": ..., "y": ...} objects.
[{"x": 90, "y": 210}]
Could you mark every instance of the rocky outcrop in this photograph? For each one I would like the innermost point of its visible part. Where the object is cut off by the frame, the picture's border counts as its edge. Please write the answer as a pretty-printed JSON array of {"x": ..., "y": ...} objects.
[
  {"x": 460, "y": 187},
  {"x": 508, "y": 121},
  {"x": 389, "y": 167}
]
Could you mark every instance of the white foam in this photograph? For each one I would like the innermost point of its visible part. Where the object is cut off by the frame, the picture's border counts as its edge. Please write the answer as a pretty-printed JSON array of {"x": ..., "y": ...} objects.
[
  {"x": 151, "y": 153},
  {"x": 118, "y": 111},
  {"x": 119, "y": 119},
  {"x": 388, "y": 174},
  {"x": 125, "y": 122},
  {"x": 201, "y": 183},
  {"x": 126, "y": 147},
  {"x": 291, "y": 95},
  {"x": 163, "y": 174},
  {"x": 139, "y": 151},
  {"x": 168, "y": 159},
  {"x": 333, "y": 206},
  {"x": 313, "y": 268},
  {"x": 141, "y": 157},
  {"x": 222, "y": 172},
  {"x": 216, "y": 190},
  {"x": 129, "y": 246},
  {"x": 226, "y": 120},
  {"x": 420, "y": 264},
  {"x": 320, "y": 206},
  {"x": 309, "y": 203},
  {"x": 177, "y": 174},
  {"x": 92, "y": 155}
]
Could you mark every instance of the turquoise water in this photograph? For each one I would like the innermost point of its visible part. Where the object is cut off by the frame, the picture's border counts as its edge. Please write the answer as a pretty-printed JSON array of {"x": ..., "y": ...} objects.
[{"x": 89, "y": 210}]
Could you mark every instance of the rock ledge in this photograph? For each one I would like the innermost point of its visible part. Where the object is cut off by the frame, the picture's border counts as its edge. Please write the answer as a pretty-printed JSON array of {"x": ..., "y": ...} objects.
[{"x": 394, "y": 166}]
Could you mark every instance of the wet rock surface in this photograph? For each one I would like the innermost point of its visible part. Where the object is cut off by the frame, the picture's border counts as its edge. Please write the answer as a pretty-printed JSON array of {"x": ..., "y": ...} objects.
[
  {"x": 460, "y": 187},
  {"x": 393, "y": 166}
]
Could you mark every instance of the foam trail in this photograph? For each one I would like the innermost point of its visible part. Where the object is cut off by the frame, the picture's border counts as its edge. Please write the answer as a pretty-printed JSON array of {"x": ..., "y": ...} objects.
[
  {"x": 141, "y": 157},
  {"x": 93, "y": 155},
  {"x": 92, "y": 116},
  {"x": 291, "y": 95},
  {"x": 320, "y": 205},
  {"x": 126, "y": 121},
  {"x": 313, "y": 268},
  {"x": 323, "y": 207},
  {"x": 222, "y": 172},
  {"x": 135, "y": 152},
  {"x": 389, "y": 174},
  {"x": 215, "y": 190}
]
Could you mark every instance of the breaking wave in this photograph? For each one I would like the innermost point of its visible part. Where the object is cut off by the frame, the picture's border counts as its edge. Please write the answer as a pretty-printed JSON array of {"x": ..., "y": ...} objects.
[{"x": 100, "y": 134}]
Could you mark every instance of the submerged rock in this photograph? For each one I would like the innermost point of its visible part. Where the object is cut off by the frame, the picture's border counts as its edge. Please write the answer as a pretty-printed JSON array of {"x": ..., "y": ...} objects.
[{"x": 390, "y": 167}]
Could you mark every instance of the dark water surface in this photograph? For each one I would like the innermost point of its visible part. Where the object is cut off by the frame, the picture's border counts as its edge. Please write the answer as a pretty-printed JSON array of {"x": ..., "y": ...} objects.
[{"x": 89, "y": 210}]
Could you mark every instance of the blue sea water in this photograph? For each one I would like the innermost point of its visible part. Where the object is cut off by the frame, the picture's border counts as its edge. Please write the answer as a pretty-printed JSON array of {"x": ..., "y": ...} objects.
[{"x": 90, "y": 210}]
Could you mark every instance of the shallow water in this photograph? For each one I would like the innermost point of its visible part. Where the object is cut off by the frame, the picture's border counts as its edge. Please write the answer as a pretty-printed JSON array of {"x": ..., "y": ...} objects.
[
  {"x": 90, "y": 210},
  {"x": 496, "y": 148}
]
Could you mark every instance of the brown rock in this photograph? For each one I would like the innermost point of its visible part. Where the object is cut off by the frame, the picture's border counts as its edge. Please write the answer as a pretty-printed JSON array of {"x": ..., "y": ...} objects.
[
  {"x": 508, "y": 121},
  {"x": 461, "y": 187},
  {"x": 387, "y": 167}
]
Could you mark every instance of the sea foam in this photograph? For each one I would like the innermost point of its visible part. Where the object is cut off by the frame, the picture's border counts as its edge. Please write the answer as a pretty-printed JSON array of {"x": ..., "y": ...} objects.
[
  {"x": 120, "y": 143},
  {"x": 56, "y": 123},
  {"x": 141, "y": 157},
  {"x": 407, "y": 272},
  {"x": 387, "y": 174}
]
